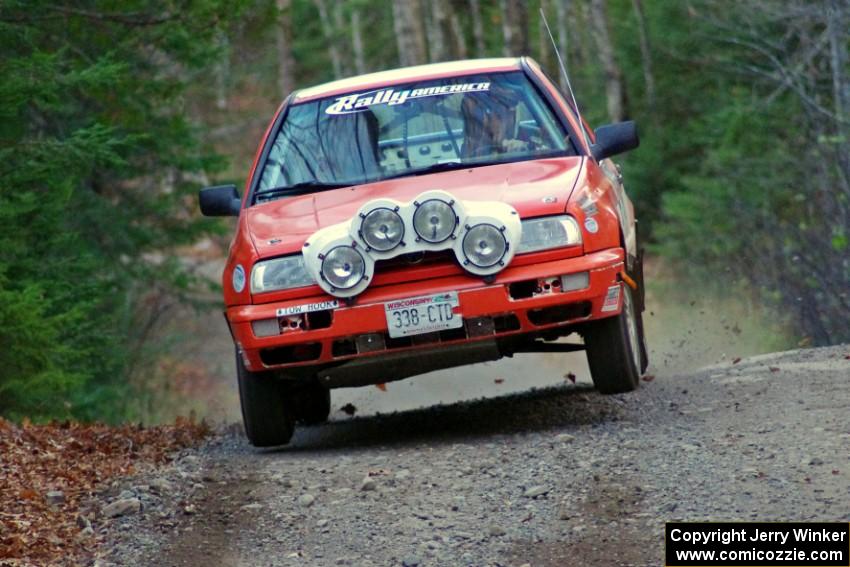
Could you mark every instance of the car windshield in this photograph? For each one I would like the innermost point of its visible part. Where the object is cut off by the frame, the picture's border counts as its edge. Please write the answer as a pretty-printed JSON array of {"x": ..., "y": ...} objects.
[{"x": 411, "y": 129}]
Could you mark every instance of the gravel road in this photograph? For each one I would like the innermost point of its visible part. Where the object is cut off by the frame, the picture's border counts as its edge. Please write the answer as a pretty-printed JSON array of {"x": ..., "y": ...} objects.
[{"x": 554, "y": 476}]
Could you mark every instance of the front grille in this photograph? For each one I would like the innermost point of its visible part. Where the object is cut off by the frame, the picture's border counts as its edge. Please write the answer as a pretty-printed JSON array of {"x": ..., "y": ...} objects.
[
  {"x": 559, "y": 313},
  {"x": 471, "y": 329},
  {"x": 290, "y": 354}
]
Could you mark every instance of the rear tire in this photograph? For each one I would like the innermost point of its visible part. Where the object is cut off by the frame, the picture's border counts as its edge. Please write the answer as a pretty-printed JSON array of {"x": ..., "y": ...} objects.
[
  {"x": 613, "y": 348},
  {"x": 265, "y": 412}
]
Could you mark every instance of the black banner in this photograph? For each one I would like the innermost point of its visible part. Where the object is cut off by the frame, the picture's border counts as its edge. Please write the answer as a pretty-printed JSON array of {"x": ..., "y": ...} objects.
[{"x": 757, "y": 544}]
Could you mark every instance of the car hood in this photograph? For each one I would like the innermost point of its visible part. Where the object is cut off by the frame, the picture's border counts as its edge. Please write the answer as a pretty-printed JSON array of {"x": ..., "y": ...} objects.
[{"x": 533, "y": 188}]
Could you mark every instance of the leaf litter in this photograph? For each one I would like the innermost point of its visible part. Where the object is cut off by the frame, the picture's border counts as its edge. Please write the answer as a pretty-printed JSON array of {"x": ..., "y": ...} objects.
[{"x": 50, "y": 474}]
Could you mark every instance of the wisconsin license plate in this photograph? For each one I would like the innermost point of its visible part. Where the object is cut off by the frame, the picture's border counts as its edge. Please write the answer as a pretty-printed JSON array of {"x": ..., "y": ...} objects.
[{"x": 425, "y": 314}]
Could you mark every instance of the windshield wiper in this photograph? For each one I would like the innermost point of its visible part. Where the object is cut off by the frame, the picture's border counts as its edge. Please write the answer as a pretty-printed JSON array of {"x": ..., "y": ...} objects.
[
  {"x": 300, "y": 188},
  {"x": 434, "y": 168},
  {"x": 313, "y": 186}
]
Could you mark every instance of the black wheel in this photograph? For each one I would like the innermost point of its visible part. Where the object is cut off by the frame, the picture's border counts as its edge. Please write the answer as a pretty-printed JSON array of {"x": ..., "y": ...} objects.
[
  {"x": 265, "y": 411},
  {"x": 613, "y": 349},
  {"x": 311, "y": 403}
]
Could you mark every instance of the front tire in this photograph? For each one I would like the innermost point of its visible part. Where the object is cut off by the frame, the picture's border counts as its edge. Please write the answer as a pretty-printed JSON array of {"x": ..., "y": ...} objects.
[
  {"x": 613, "y": 347},
  {"x": 265, "y": 413},
  {"x": 311, "y": 403}
]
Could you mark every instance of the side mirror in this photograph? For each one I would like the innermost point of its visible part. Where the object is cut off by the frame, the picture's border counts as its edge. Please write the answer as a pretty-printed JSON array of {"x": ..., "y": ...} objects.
[
  {"x": 220, "y": 201},
  {"x": 613, "y": 139}
]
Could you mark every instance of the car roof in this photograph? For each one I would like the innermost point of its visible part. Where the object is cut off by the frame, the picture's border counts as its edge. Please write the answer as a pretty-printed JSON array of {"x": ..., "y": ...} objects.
[{"x": 408, "y": 75}]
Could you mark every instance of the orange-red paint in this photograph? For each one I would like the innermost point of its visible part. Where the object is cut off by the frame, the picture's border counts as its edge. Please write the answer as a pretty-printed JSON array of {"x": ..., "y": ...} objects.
[{"x": 280, "y": 227}]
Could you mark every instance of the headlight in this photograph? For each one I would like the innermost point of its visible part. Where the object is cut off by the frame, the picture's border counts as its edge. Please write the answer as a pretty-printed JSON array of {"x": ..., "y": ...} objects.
[
  {"x": 549, "y": 232},
  {"x": 382, "y": 229},
  {"x": 280, "y": 273},
  {"x": 434, "y": 220},
  {"x": 343, "y": 267},
  {"x": 484, "y": 245}
]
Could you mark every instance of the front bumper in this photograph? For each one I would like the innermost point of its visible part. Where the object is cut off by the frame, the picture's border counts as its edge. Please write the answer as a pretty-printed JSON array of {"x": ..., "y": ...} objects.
[{"x": 489, "y": 311}]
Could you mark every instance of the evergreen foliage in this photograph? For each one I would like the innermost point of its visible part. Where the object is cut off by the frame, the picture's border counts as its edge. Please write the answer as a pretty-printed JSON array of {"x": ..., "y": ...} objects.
[{"x": 95, "y": 190}]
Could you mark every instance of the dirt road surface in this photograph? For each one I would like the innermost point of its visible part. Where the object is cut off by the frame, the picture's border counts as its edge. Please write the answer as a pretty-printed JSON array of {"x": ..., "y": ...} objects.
[{"x": 559, "y": 475}]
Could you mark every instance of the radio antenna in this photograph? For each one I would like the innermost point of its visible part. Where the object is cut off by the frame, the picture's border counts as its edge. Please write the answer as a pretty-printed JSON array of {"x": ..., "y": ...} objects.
[{"x": 566, "y": 77}]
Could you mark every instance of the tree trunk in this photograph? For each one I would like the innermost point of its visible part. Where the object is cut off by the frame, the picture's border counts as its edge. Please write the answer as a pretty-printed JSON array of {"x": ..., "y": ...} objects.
[
  {"x": 407, "y": 23},
  {"x": 477, "y": 27},
  {"x": 330, "y": 38},
  {"x": 338, "y": 31},
  {"x": 838, "y": 15},
  {"x": 285, "y": 61},
  {"x": 357, "y": 42},
  {"x": 544, "y": 46},
  {"x": 222, "y": 71},
  {"x": 514, "y": 27},
  {"x": 645, "y": 56},
  {"x": 614, "y": 88},
  {"x": 459, "y": 50},
  {"x": 561, "y": 23},
  {"x": 583, "y": 49},
  {"x": 435, "y": 23},
  {"x": 447, "y": 32}
]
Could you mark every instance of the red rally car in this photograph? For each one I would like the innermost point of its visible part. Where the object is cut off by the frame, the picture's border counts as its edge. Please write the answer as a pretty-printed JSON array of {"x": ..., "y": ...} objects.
[{"x": 423, "y": 218}]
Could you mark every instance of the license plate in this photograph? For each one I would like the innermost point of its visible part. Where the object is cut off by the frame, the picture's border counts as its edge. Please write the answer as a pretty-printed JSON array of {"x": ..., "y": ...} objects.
[{"x": 426, "y": 314}]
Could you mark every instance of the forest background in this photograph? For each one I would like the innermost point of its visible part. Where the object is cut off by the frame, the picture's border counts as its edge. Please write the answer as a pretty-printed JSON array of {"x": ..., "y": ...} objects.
[{"x": 114, "y": 113}]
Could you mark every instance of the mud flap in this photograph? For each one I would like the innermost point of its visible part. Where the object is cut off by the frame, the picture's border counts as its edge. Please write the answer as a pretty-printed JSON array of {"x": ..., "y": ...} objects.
[{"x": 641, "y": 307}]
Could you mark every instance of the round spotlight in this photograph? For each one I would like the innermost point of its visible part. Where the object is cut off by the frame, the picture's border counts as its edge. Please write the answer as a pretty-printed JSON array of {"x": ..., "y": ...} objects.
[
  {"x": 484, "y": 245},
  {"x": 434, "y": 220},
  {"x": 343, "y": 267},
  {"x": 382, "y": 229}
]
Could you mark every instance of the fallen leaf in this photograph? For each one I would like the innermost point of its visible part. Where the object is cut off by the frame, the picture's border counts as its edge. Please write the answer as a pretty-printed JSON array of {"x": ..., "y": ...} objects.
[
  {"x": 648, "y": 377},
  {"x": 28, "y": 494},
  {"x": 382, "y": 387},
  {"x": 773, "y": 368},
  {"x": 499, "y": 380},
  {"x": 836, "y": 471},
  {"x": 92, "y": 457},
  {"x": 571, "y": 377},
  {"x": 348, "y": 409},
  {"x": 736, "y": 360}
]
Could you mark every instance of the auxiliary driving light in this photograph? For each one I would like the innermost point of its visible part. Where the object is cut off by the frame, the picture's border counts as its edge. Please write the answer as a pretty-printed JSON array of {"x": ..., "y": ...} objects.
[
  {"x": 482, "y": 235},
  {"x": 434, "y": 220},
  {"x": 343, "y": 267},
  {"x": 484, "y": 245},
  {"x": 382, "y": 229},
  {"x": 266, "y": 327},
  {"x": 572, "y": 282}
]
